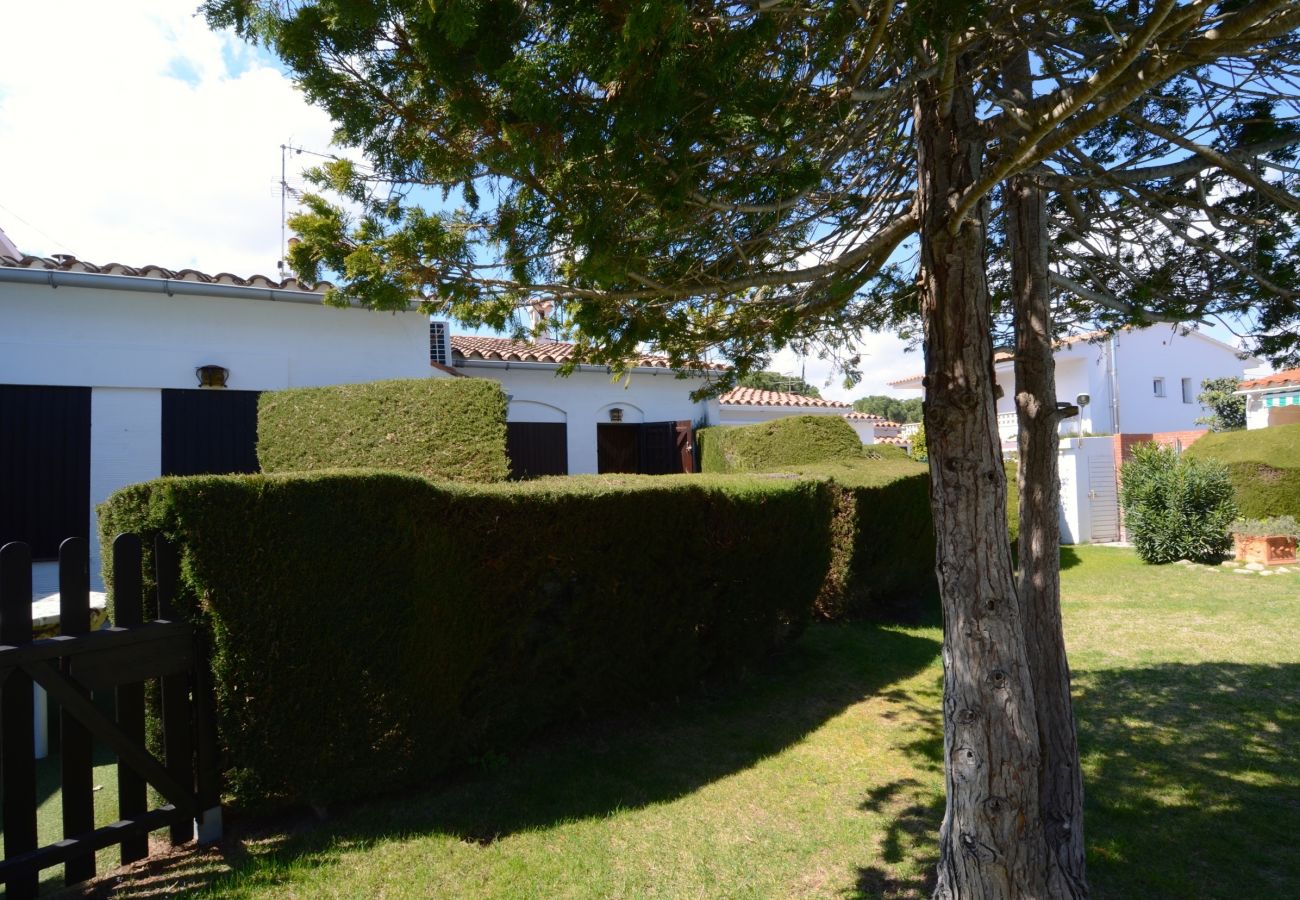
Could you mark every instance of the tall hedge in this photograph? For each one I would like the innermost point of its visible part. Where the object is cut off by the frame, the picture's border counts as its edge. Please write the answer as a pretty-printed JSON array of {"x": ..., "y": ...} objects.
[
  {"x": 369, "y": 628},
  {"x": 1264, "y": 465},
  {"x": 452, "y": 428},
  {"x": 788, "y": 441}
]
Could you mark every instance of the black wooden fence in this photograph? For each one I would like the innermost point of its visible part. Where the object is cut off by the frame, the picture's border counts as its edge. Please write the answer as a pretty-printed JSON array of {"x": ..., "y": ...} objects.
[{"x": 72, "y": 665}]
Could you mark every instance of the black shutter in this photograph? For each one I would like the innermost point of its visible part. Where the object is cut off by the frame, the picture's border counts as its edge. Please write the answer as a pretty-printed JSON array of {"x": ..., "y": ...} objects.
[
  {"x": 537, "y": 448},
  {"x": 44, "y": 466},
  {"x": 209, "y": 432}
]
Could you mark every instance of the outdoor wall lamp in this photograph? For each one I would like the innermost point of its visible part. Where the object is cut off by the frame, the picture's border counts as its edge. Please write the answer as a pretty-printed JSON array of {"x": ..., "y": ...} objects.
[
  {"x": 616, "y": 414},
  {"x": 212, "y": 376}
]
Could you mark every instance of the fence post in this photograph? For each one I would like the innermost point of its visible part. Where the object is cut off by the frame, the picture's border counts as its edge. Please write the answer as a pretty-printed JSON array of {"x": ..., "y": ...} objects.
[
  {"x": 76, "y": 760},
  {"x": 128, "y": 611},
  {"x": 177, "y": 710},
  {"x": 18, "y": 744}
]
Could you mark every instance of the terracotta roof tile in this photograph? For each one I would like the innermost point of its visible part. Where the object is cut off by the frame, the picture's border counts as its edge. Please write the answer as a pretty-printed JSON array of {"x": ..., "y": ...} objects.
[
  {"x": 871, "y": 417},
  {"x": 1285, "y": 378},
  {"x": 895, "y": 441},
  {"x": 743, "y": 396},
  {"x": 469, "y": 346},
  {"x": 72, "y": 264}
]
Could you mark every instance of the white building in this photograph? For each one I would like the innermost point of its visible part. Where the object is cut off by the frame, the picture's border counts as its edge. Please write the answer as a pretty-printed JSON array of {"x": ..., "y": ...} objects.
[
  {"x": 1137, "y": 380},
  {"x": 749, "y": 406},
  {"x": 589, "y": 422},
  {"x": 1273, "y": 399},
  {"x": 99, "y": 381}
]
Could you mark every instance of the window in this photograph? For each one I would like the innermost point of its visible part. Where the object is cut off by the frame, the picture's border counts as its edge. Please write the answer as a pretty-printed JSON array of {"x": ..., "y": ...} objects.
[
  {"x": 438, "y": 344},
  {"x": 1189, "y": 395},
  {"x": 1158, "y": 387}
]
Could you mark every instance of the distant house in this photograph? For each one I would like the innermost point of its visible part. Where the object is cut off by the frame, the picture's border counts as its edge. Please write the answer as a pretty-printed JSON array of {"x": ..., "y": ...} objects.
[
  {"x": 1273, "y": 399},
  {"x": 111, "y": 375},
  {"x": 749, "y": 406},
  {"x": 589, "y": 422},
  {"x": 1136, "y": 380}
]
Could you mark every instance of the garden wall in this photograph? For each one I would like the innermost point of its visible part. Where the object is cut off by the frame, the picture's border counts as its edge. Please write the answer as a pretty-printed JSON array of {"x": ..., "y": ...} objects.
[{"x": 368, "y": 629}]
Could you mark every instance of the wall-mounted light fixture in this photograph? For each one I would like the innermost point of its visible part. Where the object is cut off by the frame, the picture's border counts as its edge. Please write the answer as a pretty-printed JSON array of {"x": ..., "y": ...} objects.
[
  {"x": 615, "y": 414},
  {"x": 212, "y": 376}
]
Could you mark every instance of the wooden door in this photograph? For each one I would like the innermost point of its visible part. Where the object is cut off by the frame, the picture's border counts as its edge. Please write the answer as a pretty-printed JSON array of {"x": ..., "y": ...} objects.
[
  {"x": 685, "y": 435},
  {"x": 209, "y": 432},
  {"x": 617, "y": 448},
  {"x": 537, "y": 448},
  {"x": 44, "y": 466}
]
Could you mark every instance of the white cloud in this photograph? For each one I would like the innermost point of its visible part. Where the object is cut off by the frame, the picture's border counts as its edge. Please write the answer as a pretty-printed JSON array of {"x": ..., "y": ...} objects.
[
  {"x": 884, "y": 359},
  {"x": 130, "y": 132}
]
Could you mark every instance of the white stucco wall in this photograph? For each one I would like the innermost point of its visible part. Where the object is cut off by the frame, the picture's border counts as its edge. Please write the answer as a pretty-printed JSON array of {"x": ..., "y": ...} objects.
[
  {"x": 752, "y": 414},
  {"x": 125, "y": 448},
  {"x": 584, "y": 399},
  {"x": 1160, "y": 352},
  {"x": 113, "y": 338}
]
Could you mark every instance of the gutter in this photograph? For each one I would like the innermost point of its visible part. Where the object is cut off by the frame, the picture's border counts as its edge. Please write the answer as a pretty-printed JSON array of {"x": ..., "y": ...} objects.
[
  {"x": 465, "y": 362},
  {"x": 55, "y": 278}
]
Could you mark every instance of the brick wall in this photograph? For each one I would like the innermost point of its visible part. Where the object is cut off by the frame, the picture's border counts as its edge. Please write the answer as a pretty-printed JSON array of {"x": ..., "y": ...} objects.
[{"x": 1123, "y": 445}]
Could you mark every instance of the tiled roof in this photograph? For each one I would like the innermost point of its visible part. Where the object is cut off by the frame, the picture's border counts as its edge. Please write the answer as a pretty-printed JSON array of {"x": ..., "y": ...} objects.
[
  {"x": 743, "y": 396},
  {"x": 468, "y": 346},
  {"x": 71, "y": 264},
  {"x": 1283, "y": 379},
  {"x": 871, "y": 417},
  {"x": 896, "y": 441}
]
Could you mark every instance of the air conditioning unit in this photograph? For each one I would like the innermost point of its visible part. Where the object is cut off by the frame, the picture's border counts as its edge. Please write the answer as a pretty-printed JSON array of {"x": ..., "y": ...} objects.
[{"x": 440, "y": 343}]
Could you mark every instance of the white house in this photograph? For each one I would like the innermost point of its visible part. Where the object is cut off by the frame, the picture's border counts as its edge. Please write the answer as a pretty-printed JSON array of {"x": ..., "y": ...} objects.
[
  {"x": 1273, "y": 399},
  {"x": 100, "y": 381},
  {"x": 1139, "y": 383},
  {"x": 749, "y": 406},
  {"x": 589, "y": 421},
  {"x": 1136, "y": 380}
]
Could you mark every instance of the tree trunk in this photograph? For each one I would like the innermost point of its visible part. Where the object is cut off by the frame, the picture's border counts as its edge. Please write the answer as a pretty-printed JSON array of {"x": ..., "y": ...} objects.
[
  {"x": 1039, "y": 585},
  {"x": 991, "y": 844}
]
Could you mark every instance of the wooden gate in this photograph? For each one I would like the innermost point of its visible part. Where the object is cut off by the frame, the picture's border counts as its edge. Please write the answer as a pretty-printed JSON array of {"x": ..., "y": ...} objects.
[
  {"x": 72, "y": 665},
  {"x": 209, "y": 432},
  {"x": 537, "y": 448}
]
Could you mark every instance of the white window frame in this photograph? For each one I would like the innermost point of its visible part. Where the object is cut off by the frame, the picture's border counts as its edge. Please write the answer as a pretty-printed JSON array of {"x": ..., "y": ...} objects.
[
  {"x": 1158, "y": 387},
  {"x": 1189, "y": 395}
]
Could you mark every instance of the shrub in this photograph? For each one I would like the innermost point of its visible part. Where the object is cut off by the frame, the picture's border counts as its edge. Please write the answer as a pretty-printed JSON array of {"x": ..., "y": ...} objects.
[
  {"x": 370, "y": 628},
  {"x": 1176, "y": 507},
  {"x": 453, "y": 429},
  {"x": 1280, "y": 526},
  {"x": 789, "y": 441},
  {"x": 1264, "y": 465}
]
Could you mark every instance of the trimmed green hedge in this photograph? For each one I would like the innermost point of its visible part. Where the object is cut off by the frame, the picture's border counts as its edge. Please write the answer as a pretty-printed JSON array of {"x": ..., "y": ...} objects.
[
  {"x": 1264, "y": 465},
  {"x": 371, "y": 628},
  {"x": 882, "y": 535},
  {"x": 452, "y": 428},
  {"x": 789, "y": 441}
]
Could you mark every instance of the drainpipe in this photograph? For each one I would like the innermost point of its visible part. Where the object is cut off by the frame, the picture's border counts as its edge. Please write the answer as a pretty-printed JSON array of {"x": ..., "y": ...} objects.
[{"x": 1113, "y": 376}]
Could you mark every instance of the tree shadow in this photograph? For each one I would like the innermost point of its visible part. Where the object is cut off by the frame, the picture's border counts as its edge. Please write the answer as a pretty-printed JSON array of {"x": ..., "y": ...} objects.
[
  {"x": 1069, "y": 558},
  {"x": 592, "y": 769},
  {"x": 1191, "y": 779}
]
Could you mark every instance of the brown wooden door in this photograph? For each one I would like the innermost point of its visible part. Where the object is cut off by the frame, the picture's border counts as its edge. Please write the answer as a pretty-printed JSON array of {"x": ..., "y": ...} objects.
[
  {"x": 537, "y": 448},
  {"x": 685, "y": 445},
  {"x": 617, "y": 448}
]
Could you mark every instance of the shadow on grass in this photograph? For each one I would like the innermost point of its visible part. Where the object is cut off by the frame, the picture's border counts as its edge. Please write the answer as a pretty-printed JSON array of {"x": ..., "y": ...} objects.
[
  {"x": 1192, "y": 780},
  {"x": 590, "y": 770},
  {"x": 1192, "y": 783}
]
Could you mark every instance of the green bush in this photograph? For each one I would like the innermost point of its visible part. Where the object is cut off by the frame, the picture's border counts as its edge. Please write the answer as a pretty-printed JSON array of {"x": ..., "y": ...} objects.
[
  {"x": 370, "y": 628},
  {"x": 1264, "y": 465},
  {"x": 441, "y": 428},
  {"x": 789, "y": 441},
  {"x": 1176, "y": 507}
]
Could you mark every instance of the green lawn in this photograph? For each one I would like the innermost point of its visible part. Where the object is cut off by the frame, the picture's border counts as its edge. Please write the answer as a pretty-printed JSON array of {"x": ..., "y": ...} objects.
[{"x": 821, "y": 776}]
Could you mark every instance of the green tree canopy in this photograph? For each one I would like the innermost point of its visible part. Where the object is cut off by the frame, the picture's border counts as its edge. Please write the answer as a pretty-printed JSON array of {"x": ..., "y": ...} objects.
[
  {"x": 776, "y": 381},
  {"x": 891, "y": 408}
]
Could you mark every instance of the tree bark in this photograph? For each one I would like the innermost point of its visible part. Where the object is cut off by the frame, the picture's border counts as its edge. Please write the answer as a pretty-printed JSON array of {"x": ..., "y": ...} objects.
[
  {"x": 992, "y": 842},
  {"x": 1039, "y": 583}
]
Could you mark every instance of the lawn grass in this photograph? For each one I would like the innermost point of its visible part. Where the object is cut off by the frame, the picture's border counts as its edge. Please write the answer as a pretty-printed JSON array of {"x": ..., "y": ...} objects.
[{"x": 821, "y": 776}]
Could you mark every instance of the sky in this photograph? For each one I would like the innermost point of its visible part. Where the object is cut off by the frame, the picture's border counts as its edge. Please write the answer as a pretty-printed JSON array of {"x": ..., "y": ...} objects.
[{"x": 132, "y": 133}]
